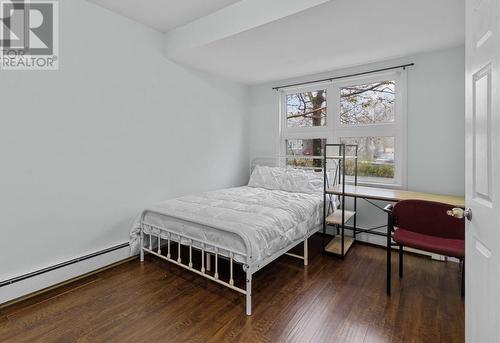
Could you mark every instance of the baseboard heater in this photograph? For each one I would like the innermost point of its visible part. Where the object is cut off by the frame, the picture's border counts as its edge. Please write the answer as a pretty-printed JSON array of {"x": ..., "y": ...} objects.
[{"x": 61, "y": 265}]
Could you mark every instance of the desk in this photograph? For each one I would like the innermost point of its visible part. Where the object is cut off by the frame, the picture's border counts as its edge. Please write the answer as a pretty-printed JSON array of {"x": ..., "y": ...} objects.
[{"x": 391, "y": 195}]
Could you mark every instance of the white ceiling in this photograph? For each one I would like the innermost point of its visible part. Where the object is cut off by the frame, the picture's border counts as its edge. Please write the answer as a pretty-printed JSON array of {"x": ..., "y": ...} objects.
[
  {"x": 329, "y": 36},
  {"x": 164, "y": 15}
]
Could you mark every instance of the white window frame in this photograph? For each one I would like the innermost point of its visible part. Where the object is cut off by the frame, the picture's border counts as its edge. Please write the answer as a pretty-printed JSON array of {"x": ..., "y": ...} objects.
[
  {"x": 313, "y": 132},
  {"x": 396, "y": 129},
  {"x": 333, "y": 131}
]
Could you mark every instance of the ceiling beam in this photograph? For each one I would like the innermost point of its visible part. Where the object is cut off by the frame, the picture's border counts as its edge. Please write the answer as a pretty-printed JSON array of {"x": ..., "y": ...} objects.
[{"x": 239, "y": 17}]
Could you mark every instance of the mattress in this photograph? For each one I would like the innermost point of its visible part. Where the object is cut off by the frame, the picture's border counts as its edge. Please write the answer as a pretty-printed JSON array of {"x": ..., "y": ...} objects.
[{"x": 264, "y": 220}]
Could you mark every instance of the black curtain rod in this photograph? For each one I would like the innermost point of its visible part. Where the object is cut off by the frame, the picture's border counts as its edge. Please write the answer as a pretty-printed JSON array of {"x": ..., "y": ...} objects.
[{"x": 404, "y": 66}]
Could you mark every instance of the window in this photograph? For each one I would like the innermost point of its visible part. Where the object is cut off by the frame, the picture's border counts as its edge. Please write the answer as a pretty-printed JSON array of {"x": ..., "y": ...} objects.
[
  {"x": 370, "y": 113},
  {"x": 367, "y": 111},
  {"x": 305, "y": 125},
  {"x": 305, "y": 147},
  {"x": 297, "y": 151},
  {"x": 306, "y": 109},
  {"x": 371, "y": 103},
  {"x": 375, "y": 157}
]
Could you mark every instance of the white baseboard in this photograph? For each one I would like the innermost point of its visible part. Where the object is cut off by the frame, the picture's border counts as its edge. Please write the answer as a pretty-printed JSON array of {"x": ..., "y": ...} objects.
[{"x": 54, "y": 277}]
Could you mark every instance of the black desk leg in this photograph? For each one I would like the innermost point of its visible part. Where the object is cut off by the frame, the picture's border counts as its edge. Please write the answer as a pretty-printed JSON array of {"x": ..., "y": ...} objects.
[
  {"x": 388, "y": 260},
  {"x": 390, "y": 227}
]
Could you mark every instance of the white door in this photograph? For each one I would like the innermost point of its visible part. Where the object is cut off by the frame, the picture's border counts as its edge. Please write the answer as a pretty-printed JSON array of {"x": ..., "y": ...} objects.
[{"x": 482, "y": 252}]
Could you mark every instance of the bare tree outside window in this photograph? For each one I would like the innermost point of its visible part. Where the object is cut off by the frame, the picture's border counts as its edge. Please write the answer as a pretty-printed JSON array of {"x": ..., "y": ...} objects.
[
  {"x": 306, "y": 109},
  {"x": 368, "y": 104},
  {"x": 296, "y": 149}
]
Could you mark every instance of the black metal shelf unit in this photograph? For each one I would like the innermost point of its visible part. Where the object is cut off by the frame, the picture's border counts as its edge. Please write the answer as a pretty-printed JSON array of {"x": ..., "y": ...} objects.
[{"x": 340, "y": 244}]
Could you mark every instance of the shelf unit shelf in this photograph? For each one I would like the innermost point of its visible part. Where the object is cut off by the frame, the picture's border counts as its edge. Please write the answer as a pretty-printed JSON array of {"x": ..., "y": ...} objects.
[
  {"x": 335, "y": 245},
  {"x": 336, "y": 217},
  {"x": 340, "y": 244}
]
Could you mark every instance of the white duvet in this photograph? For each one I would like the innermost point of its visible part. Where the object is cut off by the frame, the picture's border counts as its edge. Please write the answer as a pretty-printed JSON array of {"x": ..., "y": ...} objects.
[{"x": 265, "y": 220}]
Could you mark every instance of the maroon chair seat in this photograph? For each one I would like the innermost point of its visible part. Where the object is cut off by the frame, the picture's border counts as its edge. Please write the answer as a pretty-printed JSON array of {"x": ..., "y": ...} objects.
[{"x": 443, "y": 246}]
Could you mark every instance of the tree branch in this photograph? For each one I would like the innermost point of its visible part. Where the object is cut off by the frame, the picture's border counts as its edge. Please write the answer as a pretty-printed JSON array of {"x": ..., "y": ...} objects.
[{"x": 306, "y": 113}]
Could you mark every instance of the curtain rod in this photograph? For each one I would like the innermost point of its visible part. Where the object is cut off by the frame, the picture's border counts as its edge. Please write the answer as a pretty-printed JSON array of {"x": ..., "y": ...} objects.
[{"x": 404, "y": 66}]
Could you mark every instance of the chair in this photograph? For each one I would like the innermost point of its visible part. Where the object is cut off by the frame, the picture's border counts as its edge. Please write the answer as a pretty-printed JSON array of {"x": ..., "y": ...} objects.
[{"x": 425, "y": 225}]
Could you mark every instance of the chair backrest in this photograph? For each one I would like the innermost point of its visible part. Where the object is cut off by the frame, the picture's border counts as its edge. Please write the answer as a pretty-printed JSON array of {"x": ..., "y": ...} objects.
[{"x": 427, "y": 217}]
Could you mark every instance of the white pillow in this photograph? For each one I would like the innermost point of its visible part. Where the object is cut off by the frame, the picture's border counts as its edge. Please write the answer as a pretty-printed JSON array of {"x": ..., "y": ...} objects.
[
  {"x": 303, "y": 181},
  {"x": 267, "y": 177}
]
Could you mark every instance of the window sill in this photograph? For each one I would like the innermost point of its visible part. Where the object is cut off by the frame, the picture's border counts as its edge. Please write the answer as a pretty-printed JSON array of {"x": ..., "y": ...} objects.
[{"x": 369, "y": 183}]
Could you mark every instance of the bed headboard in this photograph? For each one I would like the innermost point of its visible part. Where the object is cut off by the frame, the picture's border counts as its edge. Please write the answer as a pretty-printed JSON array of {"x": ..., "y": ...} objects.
[
  {"x": 302, "y": 162},
  {"x": 297, "y": 162}
]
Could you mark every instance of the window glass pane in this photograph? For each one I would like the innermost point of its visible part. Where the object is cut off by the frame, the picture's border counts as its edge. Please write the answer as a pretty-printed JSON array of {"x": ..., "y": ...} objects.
[
  {"x": 304, "y": 147},
  {"x": 306, "y": 109},
  {"x": 375, "y": 156},
  {"x": 371, "y": 103}
]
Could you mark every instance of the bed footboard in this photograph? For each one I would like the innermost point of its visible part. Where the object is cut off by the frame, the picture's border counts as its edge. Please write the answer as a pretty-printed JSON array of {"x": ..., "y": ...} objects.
[
  {"x": 171, "y": 237},
  {"x": 166, "y": 239},
  {"x": 150, "y": 232}
]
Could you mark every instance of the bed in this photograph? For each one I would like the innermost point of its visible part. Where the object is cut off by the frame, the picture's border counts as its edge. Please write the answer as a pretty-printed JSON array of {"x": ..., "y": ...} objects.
[{"x": 251, "y": 225}]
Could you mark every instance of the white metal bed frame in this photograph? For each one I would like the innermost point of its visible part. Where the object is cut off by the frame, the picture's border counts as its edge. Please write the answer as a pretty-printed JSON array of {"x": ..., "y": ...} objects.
[{"x": 150, "y": 232}]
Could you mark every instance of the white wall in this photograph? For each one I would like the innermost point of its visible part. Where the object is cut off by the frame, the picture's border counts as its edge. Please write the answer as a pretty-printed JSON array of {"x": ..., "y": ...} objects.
[
  {"x": 118, "y": 127},
  {"x": 435, "y": 123}
]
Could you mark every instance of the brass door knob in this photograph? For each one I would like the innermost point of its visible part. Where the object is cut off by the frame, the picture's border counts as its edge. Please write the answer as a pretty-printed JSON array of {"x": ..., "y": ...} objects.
[{"x": 460, "y": 213}]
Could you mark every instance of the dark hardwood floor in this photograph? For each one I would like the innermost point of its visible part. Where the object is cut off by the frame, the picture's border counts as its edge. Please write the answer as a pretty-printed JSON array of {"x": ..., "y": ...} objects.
[{"x": 329, "y": 301}]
